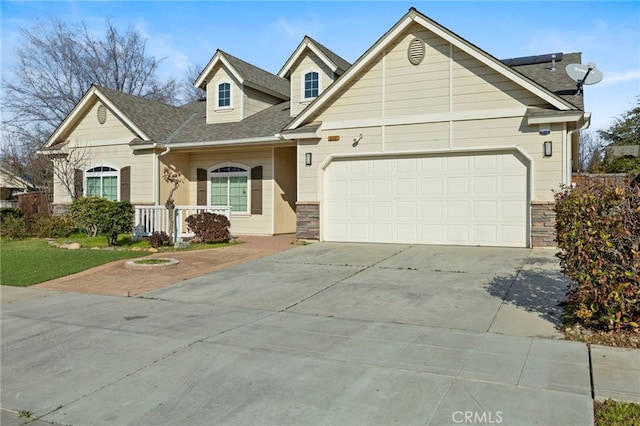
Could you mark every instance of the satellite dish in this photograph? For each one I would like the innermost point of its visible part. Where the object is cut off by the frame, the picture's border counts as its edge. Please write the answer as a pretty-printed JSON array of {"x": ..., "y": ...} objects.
[{"x": 584, "y": 74}]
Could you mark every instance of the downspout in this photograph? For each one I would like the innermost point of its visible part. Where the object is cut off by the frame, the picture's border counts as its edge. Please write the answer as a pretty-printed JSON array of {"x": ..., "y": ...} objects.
[{"x": 567, "y": 147}]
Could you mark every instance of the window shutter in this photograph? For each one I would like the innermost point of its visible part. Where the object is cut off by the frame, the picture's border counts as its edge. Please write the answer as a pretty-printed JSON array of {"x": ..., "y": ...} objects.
[
  {"x": 201, "y": 191},
  {"x": 256, "y": 190},
  {"x": 125, "y": 184},
  {"x": 78, "y": 183}
]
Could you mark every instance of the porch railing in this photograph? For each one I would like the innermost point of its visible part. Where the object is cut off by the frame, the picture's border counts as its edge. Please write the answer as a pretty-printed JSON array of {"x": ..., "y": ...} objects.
[{"x": 150, "y": 219}]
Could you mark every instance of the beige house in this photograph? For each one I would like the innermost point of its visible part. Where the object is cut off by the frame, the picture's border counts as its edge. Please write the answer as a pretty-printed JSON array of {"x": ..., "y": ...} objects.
[{"x": 425, "y": 139}]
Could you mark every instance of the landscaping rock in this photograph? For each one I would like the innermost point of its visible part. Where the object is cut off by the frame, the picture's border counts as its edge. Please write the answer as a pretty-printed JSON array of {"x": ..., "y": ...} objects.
[
  {"x": 73, "y": 246},
  {"x": 181, "y": 245},
  {"x": 152, "y": 250},
  {"x": 136, "y": 249}
]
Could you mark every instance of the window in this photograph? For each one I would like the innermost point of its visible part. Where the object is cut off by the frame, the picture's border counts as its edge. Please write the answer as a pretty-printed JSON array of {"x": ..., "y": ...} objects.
[
  {"x": 229, "y": 187},
  {"x": 224, "y": 95},
  {"x": 102, "y": 181},
  {"x": 311, "y": 85}
]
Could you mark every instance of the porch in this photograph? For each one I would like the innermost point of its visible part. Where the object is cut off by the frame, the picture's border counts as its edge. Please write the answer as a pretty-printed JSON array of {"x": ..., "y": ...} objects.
[{"x": 150, "y": 219}]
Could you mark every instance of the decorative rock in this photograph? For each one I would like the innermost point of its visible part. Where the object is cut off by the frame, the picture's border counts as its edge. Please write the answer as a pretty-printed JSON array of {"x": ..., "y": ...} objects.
[
  {"x": 152, "y": 250},
  {"x": 73, "y": 246},
  {"x": 136, "y": 249},
  {"x": 181, "y": 245}
]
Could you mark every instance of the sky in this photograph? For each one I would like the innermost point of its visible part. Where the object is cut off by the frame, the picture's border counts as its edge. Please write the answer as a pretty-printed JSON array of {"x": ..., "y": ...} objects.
[{"x": 265, "y": 33}]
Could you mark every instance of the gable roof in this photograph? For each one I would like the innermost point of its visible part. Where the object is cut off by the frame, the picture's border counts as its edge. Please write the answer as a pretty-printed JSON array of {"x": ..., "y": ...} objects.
[
  {"x": 247, "y": 74},
  {"x": 156, "y": 119},
  {"x": 335, "y": 62},
  {"x": 150, "y": 121},
  {"x": 409, "y": 18}
]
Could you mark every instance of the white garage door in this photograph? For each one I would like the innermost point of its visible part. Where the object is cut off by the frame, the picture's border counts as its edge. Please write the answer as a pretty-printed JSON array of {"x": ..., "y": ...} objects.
[{"x": 456, "y": 199}]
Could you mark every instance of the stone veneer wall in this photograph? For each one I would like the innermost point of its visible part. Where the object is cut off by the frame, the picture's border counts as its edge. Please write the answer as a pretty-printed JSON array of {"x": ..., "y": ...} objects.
[
  {"x": 543, "y": 224},
  {"x": 308, "y": 220}
]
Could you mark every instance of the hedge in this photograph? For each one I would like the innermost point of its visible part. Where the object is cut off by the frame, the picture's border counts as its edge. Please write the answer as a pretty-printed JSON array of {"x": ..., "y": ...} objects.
[{"x": 598, "y": 233}]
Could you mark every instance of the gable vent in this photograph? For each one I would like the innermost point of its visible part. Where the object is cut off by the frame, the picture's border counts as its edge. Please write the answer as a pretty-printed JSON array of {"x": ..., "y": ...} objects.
[
  {"x": 416, "y": 51},
  {"x": 102, "y": 114}
]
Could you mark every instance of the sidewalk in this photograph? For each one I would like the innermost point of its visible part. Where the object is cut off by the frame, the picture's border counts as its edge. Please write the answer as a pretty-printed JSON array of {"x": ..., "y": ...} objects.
[{"x": 114, "y": 279}]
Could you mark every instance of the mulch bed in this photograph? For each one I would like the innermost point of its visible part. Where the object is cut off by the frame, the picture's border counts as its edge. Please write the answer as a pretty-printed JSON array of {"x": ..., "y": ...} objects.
[{"x": 617, "y": 338}]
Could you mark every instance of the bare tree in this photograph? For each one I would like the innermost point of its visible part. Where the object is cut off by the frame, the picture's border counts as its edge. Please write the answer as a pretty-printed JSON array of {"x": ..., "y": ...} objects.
[
  {"x": 56, "y": 64},
  {"x": 175, "y": 178},
  {"x": 590, "y": 153},
  {"x": 65, "y": 167},
  {"x": 190, "y": 93}
]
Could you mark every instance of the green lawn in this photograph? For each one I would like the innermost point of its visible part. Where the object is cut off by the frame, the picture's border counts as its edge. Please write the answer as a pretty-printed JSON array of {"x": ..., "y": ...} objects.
[{"x": 28, "y": 262}]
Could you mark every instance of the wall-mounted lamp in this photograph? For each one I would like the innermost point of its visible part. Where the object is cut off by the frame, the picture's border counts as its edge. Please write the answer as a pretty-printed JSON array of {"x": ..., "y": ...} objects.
[
  {"x": 357, "y": 140},
  {"x": 547, "y": 148},
  {"x": 545, "y": 129},
  {"x": 307, "y": 159}
]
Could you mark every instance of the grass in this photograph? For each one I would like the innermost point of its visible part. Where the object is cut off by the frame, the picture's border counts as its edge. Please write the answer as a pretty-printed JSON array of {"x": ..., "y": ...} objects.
[
  {"x": 154, "y": 261},
  {"x": 28, "y": 262},
  {"x": 612, "y": 413},
  {"x": 124, "y": 240}
]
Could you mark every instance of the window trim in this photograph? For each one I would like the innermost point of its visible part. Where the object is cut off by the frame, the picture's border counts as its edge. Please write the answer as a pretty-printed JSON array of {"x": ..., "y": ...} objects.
[
  {"x": 304, "y": 74},
  {"x": 247, "y": 173},
  {"x": 217, "y": 89},
  {"x": 114, "y": 172}
]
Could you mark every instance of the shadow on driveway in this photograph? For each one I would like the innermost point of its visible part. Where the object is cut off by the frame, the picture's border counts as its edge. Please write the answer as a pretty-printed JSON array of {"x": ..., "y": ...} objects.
[{"x": 539, "y": 287}]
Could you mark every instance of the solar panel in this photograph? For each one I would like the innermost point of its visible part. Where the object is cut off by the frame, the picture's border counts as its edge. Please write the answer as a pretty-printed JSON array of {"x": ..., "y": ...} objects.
[{"x": 531, "y": 60}]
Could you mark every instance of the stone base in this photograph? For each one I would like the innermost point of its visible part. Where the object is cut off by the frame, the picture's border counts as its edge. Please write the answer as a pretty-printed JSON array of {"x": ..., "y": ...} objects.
[
  {"x": 308, "y": 220},
  {"x": 543, "y": 224}
]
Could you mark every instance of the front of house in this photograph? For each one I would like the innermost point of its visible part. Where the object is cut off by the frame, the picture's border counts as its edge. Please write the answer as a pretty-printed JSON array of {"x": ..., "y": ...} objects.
[{"x": 425, "y": 139}]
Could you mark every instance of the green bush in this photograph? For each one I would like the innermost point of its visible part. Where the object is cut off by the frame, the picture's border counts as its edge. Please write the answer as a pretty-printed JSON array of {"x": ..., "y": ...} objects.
[
  {"x": 9, "y": 212},
  {"x": 597, "y": 230},
  {"x": 14, "y": 228},
  {"x": 48, "y": 226},
  {"x": 209, "y": 227},
  {"x": 97, "y": 215},
  {"x": 624, "y": 164},
  {"x": 119, "y": 220},
  {"x": 88, "y": 213},
  {"x": 38, "y": 226}
]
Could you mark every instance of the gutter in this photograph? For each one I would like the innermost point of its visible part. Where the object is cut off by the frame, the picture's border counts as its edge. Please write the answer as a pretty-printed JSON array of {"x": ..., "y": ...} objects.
[{"x": 567, "y": 145}]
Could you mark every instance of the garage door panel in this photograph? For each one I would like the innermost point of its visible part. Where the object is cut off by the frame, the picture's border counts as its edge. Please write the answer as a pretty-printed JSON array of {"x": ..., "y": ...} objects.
[
  {"x": 457, "y": 185},
  {"x": 485, "y": 209},
  {"x": 486, "y": 185},
  {"x": 431, "y": 186},
  {"x": 467, "y": 200},
  {"x": 457, "y": 209}
]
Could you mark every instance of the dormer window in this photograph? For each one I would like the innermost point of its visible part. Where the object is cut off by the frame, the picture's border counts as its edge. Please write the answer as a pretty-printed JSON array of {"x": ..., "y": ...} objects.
[
  {"x": 224, "y": 95},
  {"x": 311, "y": 85}
]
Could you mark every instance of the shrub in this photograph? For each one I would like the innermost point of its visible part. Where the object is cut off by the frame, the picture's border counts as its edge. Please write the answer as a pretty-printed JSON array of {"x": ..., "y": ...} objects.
[
  {"x": 97, "y": 215},
  {"x": 88, "y": 213},
  {"x": 158, "y": 239},
  {"x": 48, "y": 226},
  {"x": 209, "y": 227},
  {"x": 597, "y": 230},
  {"x": 9, "y": 212},
  {"x": 14, "y": 228},
  {"x": 118, "y": 220}
]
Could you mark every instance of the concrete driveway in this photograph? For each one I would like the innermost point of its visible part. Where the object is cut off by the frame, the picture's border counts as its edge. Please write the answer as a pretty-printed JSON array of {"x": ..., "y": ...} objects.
[
  {"x": 512, "y": 291},
  {"x": 323, "y": 334}
]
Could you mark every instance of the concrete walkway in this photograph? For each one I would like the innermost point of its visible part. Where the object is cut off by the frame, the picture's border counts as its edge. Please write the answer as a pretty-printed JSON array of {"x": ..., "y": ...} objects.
[{"x": 322, "y": 334}]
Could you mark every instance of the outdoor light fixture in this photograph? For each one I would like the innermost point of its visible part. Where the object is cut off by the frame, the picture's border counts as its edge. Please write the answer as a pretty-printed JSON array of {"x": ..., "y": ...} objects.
[
  {"x": 547, "y": 148},
  {"x": 307, "y": 159}
]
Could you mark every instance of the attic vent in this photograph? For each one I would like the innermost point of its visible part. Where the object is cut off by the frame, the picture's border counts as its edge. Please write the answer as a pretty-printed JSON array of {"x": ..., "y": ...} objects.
[
  {"x": 416, "y": 51},
  {"x": 102, "y": 114}
]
